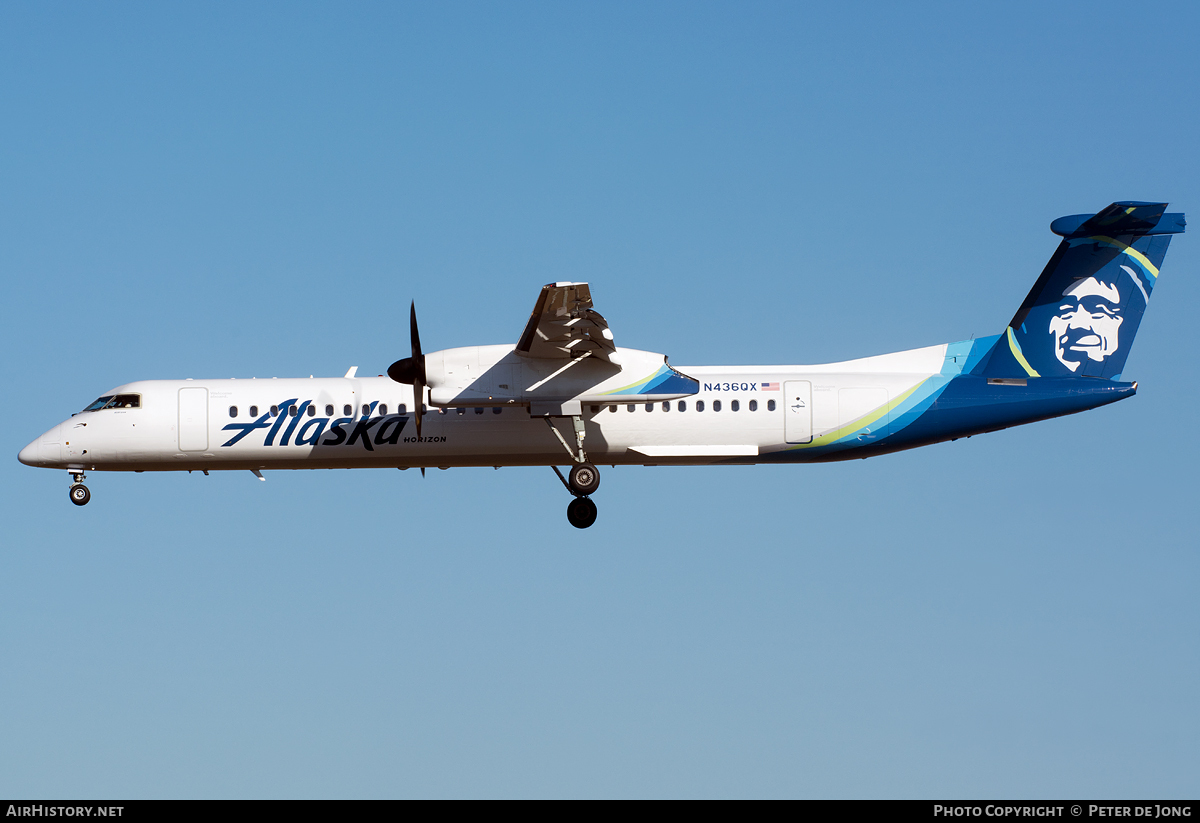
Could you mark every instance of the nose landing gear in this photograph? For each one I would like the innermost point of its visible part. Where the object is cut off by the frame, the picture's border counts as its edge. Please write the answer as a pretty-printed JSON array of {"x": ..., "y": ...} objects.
[{"x": 79, "y": 493}]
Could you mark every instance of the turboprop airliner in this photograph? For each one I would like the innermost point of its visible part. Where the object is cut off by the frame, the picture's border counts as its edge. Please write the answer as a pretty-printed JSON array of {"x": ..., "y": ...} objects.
[{"x": 566, "y": 395}]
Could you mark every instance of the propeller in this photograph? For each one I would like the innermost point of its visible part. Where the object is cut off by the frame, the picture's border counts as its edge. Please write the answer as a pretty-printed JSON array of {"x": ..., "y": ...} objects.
[{"x": 411, "y": 370}]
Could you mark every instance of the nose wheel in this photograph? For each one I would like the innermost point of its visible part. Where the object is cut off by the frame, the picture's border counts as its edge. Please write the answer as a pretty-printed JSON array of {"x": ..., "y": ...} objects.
[
  {"x": 581, "y": 480},
  {"x": 79, "y": 493}
]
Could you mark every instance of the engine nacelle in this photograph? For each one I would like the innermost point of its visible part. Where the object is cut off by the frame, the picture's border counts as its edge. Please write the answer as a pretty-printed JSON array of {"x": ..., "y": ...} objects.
[{"x": 494, "y": 375}]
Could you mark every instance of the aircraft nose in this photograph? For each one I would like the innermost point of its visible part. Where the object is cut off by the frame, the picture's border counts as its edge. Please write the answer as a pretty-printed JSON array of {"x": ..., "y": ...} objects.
[
  {"x": 29, "y": 454},
  {"x": 44, "y": 451}
]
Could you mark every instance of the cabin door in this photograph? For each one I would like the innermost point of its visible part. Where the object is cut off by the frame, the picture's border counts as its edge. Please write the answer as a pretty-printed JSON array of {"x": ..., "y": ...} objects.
[
  {"x": 193, "y": 420},
  {"x": 797, "y": 411}
]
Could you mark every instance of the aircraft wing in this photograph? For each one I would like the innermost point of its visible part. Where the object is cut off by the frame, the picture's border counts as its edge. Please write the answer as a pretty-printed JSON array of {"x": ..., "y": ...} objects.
[{"x": 564, "y": 325}]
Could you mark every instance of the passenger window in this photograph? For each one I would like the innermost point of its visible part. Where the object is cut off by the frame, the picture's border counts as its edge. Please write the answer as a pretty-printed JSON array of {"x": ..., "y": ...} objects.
[
  {"x": 770, "y": 405},
  {"x": 734, "y": 405},
  {"x": 479, "y": 409},
  {"x": 595, "y": 409},
  {"x": 312, "y": 410},
  {"x": 233, "y": 411},
  {"x": 699, "y": 405},
  {"x": 460, "y": 410},
  {"x": 329, "y": 410},
  {"x": 649, "y": 407},
  {"x": 274, "y": 411},
  {"x": 292, "y": 411},
  {"x": 495, "y": 409},
  {"x": 366, "y": 409},
  {"x": 753, "y": 405},
  {"x": 632, "y": 407},
  {"x": 666, "y": 405},
  {"x": 403, "y": 409},
  {"x": 347, "y": 410},
  {"x": 254, "y": 411},
  {"x": 716, "y": 405},
  {"x": 683, "y": 405},
  {"x": 383, "y": 409},
  {"x": 612, "y": 408}
]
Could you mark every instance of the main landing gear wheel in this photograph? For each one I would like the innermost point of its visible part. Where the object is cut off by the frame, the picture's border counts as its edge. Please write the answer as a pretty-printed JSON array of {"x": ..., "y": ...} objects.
[
  {"x": 581, "y": 512},
  {"x": 80, "y": 496},
  {"x": 584, "y": 479}
]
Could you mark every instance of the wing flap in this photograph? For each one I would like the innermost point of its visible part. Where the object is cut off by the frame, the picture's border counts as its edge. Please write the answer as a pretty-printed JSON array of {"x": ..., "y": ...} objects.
[{"x": 564, "y": 325}]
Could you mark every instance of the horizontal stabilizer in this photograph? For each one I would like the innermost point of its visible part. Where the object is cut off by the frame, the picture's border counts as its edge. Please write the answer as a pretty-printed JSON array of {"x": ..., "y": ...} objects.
[{"x": 1126, "y": 217}]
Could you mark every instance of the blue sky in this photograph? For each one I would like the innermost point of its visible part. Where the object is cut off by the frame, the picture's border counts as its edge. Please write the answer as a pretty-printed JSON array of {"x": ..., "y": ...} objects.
[{"x": 237, "y": 190}]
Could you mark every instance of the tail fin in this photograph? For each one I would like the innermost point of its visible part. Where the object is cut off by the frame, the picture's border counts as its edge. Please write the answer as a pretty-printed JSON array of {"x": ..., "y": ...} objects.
[{"x": 1083, "y": 312}]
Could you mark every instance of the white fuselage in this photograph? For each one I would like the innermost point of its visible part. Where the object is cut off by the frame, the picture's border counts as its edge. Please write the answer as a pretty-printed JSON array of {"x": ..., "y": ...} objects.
[{"x": 740, "y": 414}]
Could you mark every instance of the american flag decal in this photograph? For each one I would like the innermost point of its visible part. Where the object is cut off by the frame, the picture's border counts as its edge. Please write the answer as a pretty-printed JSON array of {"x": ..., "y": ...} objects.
[{"x": 770, "y": 387}]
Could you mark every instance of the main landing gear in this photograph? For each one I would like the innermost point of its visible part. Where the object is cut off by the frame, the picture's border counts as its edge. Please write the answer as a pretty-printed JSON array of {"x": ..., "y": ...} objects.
[
  {"x": 79, "y": 492},
  {"x": 583, "y": 478}
]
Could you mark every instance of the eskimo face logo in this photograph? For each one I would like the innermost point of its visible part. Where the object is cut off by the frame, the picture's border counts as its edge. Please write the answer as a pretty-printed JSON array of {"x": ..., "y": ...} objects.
[{"x": 1087, "y": 324}]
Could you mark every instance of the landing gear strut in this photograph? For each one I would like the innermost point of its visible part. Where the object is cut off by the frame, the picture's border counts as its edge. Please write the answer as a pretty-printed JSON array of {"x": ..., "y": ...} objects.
[{"x": 79, "y": 493}]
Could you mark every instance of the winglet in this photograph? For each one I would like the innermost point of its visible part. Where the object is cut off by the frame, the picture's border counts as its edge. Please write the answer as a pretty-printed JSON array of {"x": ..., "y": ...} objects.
[{"x": 353, "y": 370}]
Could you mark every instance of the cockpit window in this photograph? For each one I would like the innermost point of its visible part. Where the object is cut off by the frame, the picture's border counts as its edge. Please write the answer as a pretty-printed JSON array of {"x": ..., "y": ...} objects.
[{"x": 116, "y": 401}]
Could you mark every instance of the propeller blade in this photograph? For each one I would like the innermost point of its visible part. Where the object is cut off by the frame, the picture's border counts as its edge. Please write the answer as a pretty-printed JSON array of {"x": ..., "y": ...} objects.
[
  {"x": 411, "y": 370},
  {"x": 415, "y": 338},
  {"x": 419, "y": 364},
  {"x": 419, "y": 405}
]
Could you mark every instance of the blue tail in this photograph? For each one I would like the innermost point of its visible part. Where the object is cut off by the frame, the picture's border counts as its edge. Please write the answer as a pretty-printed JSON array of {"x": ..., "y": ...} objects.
[{"x": 1082, "y": 314}]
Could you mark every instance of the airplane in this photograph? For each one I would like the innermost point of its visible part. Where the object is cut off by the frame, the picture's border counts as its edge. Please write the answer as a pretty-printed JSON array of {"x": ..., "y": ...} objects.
[{"x": 567, "y": 395}]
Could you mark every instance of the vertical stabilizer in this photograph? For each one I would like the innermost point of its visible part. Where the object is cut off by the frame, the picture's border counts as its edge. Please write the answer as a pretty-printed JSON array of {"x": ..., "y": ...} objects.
[{"x": 1081, "y": 316}]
